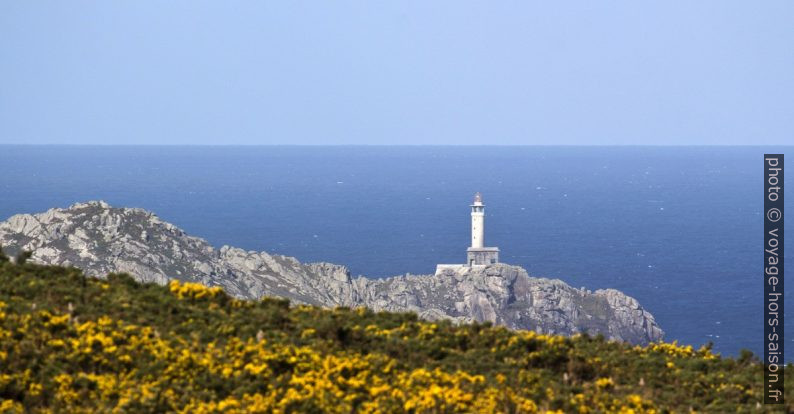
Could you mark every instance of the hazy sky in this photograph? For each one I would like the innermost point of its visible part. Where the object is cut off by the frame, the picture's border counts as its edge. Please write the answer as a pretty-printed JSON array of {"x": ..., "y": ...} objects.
[{"x": 424, "y": 72}]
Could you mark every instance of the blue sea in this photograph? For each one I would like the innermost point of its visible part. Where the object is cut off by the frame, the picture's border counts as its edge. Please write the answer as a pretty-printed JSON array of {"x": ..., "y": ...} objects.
[{"x": 678, "y": 228}]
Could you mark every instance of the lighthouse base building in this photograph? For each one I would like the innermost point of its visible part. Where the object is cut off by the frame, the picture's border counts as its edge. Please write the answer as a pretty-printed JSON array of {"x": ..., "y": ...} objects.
[{"x": 481, "y": 256}]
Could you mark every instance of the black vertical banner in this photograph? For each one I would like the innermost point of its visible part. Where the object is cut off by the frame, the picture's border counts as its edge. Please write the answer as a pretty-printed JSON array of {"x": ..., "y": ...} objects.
[{"x": 773, "y": 279}]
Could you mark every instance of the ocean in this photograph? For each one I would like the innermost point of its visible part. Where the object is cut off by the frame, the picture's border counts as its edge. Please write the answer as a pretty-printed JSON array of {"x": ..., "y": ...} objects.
[{"x": 678, "y": 228}]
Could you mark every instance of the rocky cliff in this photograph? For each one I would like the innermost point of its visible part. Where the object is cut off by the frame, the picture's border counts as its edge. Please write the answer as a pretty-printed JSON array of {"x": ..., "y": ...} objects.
[{"x": 101, "y": 239}]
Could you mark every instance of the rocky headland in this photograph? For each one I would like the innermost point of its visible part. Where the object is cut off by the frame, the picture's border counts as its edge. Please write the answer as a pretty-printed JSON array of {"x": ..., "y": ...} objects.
[{"x": 101, "y": 239}]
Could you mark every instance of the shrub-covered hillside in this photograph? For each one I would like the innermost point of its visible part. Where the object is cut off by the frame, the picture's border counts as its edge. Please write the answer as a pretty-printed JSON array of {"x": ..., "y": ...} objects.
[{"x": 74, "y": 344}]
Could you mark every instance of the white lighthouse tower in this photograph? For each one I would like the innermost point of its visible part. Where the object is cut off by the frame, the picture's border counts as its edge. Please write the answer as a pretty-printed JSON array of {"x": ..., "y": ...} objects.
[
  {"x": 477, "y": 222},
  {"x": 478, "y": 254}
]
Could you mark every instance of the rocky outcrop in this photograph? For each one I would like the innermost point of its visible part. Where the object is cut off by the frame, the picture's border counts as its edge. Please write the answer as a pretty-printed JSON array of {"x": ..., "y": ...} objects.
[{"x": 101, "y": 239}]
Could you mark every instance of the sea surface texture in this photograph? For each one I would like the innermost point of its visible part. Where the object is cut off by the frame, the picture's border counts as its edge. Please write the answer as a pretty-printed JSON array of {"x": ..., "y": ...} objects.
[{"x": 678, "y": 228}]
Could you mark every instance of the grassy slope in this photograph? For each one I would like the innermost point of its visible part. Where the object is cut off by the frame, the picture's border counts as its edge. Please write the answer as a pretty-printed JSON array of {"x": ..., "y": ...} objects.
[{"x": 71, "y": 343}]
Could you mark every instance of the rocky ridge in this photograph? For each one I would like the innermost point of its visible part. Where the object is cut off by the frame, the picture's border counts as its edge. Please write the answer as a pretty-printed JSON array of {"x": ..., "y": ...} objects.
[{"x": 101, "y": 239}]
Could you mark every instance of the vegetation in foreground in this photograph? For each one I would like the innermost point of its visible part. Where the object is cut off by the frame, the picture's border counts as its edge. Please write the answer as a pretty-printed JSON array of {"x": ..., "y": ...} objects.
[{"x": 69, "y": 343}]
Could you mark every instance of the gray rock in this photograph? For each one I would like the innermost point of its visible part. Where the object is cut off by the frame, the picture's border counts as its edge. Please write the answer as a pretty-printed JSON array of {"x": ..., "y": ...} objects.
[{"x": 100, "y": 239}]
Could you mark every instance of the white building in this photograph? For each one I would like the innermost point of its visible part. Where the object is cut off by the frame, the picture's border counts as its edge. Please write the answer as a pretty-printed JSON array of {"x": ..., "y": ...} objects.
[{"x": 477, "y": 254}]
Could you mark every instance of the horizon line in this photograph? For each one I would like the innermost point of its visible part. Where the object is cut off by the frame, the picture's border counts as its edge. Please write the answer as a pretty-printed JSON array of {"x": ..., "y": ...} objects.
[{"x": 394, "y": 145}]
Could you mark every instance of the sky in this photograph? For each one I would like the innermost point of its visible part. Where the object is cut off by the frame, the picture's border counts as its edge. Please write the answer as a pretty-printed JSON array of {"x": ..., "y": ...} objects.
[{"x": 403, "y": 72}]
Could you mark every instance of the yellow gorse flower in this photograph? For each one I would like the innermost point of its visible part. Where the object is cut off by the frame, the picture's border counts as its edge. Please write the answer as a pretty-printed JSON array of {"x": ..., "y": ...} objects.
[
  {"x": 188, "y": 290},
  {"x": 179, "y": 358}
]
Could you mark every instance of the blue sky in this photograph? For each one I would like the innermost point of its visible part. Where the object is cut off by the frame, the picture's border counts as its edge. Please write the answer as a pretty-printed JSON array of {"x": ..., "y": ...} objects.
[{"x": 404, "y": 72}]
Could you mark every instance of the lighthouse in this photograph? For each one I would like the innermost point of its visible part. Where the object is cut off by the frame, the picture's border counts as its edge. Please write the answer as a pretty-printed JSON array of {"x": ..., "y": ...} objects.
[
  {"x": 477, "y": 222},
  {"x": 478, "y": 254}
]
